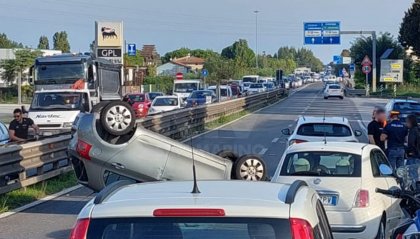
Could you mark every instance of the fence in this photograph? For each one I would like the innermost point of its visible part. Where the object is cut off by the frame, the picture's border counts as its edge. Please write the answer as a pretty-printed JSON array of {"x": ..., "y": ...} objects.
[{"x": 33, "y": 162}]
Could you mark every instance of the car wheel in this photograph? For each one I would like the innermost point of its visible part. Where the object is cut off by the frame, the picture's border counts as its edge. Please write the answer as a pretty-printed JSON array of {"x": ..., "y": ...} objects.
[
  {"x": 381, "y": 230},
  {"x": 342, "y": 97},
  {"x": 250, "y": 167},
  {"x": 118, "y": 118},
  {"x": 227, "y": 154}
]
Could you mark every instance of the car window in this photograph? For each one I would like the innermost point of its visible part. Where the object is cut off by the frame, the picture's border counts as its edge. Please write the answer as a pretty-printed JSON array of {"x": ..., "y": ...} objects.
[
  {"x": 189, "y": 228},
  {"x": 324, "y": 129},
  {"x": 335, "y": 87},
  {"x": 377, "y": 158},
  {"x": 319, "y": 163},
  {"x": 165, "y": 102},
  {"x": 407, "y": 106},
  {"x": 256, "y": 86},
  {"x": 323, "y": 226},
  {"x": 136, "y": 98}
]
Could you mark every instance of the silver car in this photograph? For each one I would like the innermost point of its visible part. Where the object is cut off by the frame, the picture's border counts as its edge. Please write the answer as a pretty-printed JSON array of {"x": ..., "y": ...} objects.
[{"x": 107, "y": 146}]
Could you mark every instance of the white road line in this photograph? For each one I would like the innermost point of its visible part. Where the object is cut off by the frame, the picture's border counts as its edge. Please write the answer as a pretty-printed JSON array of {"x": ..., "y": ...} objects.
[
  {"x": 275, "y": 140},
  {"x": 290, "y": 125},
  {"x": 263, "y": 151}
]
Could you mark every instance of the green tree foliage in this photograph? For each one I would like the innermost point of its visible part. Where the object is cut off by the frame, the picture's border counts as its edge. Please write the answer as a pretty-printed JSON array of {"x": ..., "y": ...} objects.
[
  {"x": 302, "y": 57},
  {"x": 410, "y": 29},
  {"x": 43, "y": 43},
  {"x": 61, "y": 42},
  {"x": 7, "y": 43},
  {"x": 9, "y": 70},
  {"x": 23, "y": 59},
  {"x": 162, "y": 83},
  {"x": 240, "y": 52},
  {"x": 287, "y": 53},
  {"x": 136, "y": 60},
  {"x": 220, "y": 68},
  {"x": 182, "y": 52}
]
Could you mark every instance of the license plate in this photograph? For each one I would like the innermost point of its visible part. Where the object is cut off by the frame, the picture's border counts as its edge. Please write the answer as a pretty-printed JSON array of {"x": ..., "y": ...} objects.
[
  {"x": 329, "y": 200},
  {"x": 47, "y": 133}
]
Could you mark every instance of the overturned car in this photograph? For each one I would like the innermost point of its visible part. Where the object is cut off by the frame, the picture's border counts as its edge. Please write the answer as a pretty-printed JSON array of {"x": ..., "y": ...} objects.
[{"x": 107, "y": 145}]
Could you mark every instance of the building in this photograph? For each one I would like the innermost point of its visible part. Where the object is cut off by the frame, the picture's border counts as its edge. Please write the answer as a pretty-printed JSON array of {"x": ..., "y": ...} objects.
[
  {"x": 195, "y": 63},
  {"x": 171, "y": 68},
  {"x": 150, "y": 55}
]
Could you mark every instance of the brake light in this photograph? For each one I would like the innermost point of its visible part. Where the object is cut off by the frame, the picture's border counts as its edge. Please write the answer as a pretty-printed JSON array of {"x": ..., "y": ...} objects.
[
  {"x": 301, "y": 229},
  {"x": 362, "y": 198},
  {"x": 297, "y": 141},
  {"x": 83, "y": 149},
  {"x": 189, "y": 212},
  {"x": 399, "y": 236},
  {"x": 79, "y": 231}
]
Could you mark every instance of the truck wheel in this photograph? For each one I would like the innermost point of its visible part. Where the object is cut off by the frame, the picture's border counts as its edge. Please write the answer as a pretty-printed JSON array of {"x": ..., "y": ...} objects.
[
  {"x": 250, "y": 167},
  {"x": 227, "y": 154},
  {"x": 118, "y": 118}
]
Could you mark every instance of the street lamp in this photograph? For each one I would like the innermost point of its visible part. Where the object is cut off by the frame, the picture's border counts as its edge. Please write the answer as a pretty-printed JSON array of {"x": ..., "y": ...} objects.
[{"x": 256, "y": 37}]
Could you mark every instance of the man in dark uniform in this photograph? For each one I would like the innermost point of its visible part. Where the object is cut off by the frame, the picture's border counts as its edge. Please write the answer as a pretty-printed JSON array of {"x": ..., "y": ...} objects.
[
  {"x": 395, "y": 133},
  {"x": 375, "y": 128},
  {"x": 18, "y": 128}
]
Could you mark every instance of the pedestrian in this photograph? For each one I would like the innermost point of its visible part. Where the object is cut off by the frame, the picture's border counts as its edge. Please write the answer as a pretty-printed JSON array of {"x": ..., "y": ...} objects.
[
  {"x": 395, "y": 134},
  {"x": 375, "y": 128},
  {"x": 19, "y": 127},
  {"x": 413, "y": 140}
]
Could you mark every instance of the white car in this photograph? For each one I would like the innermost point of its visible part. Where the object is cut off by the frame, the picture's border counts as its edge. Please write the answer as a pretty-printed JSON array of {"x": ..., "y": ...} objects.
[
  {"x": 256, "y": 88},
  {"x": 221, "y": 209},
  {"x": 333, "y": 90},
  {"x": 246, "y": 86},
  {"x": 4, "y": 134},
  {"x": 346, "y": 176},
  {"x": 165, "y": 103},
  {"x": 225, "y": 92},
  {"x": 312, "y": 129}
]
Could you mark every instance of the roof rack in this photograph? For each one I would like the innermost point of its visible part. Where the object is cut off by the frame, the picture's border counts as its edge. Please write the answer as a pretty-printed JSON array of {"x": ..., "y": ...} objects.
[
  {"x": 109, "y": 190},
  {"x": 294, "y": 187}
]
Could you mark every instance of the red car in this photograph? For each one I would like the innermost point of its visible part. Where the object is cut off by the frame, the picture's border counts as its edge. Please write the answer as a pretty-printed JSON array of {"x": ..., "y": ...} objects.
[{"x": 140, "y": 102}]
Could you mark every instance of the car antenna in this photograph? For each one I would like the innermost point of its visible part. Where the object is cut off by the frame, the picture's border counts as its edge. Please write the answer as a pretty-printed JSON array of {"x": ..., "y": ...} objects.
[{"x": 195, "y": 189}]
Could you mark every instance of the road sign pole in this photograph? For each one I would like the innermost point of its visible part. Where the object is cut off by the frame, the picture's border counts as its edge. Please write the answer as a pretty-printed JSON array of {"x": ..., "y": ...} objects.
[
  {"x": 367, "y": 84},
  {"x": 374, "y": 61}
]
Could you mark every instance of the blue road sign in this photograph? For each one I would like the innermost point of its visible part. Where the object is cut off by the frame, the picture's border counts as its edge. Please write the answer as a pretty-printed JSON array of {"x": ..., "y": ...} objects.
[
  {"x": 337, "y": 60},
  {"x": 204, "y": 73},
  {"x": 321, "y": 33},
  {"x": 131, "y": 49}
]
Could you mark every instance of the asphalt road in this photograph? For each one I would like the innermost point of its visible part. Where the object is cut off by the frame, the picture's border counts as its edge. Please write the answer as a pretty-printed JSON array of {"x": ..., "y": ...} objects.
[{"x": 257, "y": 133}]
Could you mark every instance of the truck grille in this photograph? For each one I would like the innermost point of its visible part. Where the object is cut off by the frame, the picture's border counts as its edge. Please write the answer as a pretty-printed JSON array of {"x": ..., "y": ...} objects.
[{"x": 49, "y": 125}]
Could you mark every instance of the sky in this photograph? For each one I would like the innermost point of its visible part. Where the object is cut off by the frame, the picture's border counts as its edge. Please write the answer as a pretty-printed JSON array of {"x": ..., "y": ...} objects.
[{"x": 210, "y": 24}]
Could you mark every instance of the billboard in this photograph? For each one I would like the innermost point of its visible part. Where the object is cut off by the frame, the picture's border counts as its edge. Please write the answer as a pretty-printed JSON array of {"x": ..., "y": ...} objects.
[
  {"x": 109, "y": 34},
  {"x": 392, "y": 71}
]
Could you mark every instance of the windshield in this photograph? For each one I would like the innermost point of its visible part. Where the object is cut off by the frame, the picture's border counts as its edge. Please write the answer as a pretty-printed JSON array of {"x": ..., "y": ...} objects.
[
  {"x": 165, "y": 102},
  {"x": 185, "y": 87},
  {"x": 324, "y": 129},
  {"x": 190, "y": 228},
  {"x": 153, "y": 95},
  {"x": 334, "y": 87},
  {"x": 53, "y": 101},
  {"x": 59, "y": 73},
  {"x": 254, "y": 86},
  {"x": 249, "y": 79},
  {"x": 317, "y": 163},
  {"x": 201, "y": 94},
  {"x": 407, "y": 106},
  {"x": 134, "y": 98}
]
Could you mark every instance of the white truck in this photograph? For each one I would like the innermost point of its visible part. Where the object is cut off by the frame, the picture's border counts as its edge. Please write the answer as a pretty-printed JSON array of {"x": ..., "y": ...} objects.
[
  {"x": 68, "y": 84},
  {"x": 183, "y": 88}
]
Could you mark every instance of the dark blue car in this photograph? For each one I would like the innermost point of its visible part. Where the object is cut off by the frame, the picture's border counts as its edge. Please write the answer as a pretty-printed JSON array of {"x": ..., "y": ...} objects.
[{"x": 200, "y": 97}]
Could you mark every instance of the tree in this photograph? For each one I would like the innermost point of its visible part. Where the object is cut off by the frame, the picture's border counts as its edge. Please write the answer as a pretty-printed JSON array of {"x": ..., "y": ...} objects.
[
  {"x": 43, "y": 43},
  {"x": 175, "y": 54},
  {"x": 136, "y": 60},
  {"x": 240, "y": 52},
  {"x": 61, "y": 42},
  {"x": 410, "y": 30},
  {"x": 286, "y": 53},
  {"x": 23, "y": 59},
  {"x": 7, "y": 43}
]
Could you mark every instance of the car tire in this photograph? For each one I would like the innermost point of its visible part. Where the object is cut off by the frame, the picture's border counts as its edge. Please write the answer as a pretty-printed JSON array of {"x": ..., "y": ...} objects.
[
  {"x": 381, "y": 229},
  {"x": 227, "y": 154},
  {"x": 250, "y": 167},
  {"x": 117, "y": 118},
  {"x": 342, "y": 97}
]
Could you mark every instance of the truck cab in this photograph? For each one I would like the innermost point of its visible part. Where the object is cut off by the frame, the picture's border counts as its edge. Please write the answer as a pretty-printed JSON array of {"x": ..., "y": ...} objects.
[{"x": 183, "y": 88}]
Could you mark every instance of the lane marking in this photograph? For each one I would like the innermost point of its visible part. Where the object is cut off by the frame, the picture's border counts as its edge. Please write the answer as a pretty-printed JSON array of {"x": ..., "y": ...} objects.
[
  {"x": 275, "y": 140},
  {"x": 290, "y": 125},
  {"x": 263, "y": 151}
]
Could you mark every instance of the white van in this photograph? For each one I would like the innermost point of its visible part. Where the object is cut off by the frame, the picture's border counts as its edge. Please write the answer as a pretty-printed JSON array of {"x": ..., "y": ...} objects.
[
  {"x": 250, "y": 78},
  {"x": 225, "y": 92}
]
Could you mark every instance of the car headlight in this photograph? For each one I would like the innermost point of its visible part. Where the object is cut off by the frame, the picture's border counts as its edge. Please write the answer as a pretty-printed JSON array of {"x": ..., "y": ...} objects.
[{"x": 67, "y": 124}]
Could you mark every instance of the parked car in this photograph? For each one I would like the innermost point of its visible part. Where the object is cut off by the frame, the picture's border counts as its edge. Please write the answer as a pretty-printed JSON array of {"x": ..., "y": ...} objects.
[
  {"x": 153, "y": 95},
  {"x": 4, "y": 134},
  {"x": 404, "y": 107},
  {"x": 312, "y": 129},
  {"x": 256, "y": 88},
  {"x": 345, "y": 176},
  {"x": 140, "y": 102},
  {"x": 107, "y": 144},
  {"x": 222, "y": 209},
  {"x": 225, "y": 92},
  {"x": 201, "y": 97},
  {"x": 165, "y": 103},
  {"x": 334, "y": 90}
]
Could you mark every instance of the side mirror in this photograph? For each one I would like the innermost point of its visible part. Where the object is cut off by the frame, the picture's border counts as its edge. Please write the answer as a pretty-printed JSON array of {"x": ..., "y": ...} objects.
[
  {"x": 385, "y": 170},
  {"x": 358, "y": 133},
  {"x": 286, "y": 131}
]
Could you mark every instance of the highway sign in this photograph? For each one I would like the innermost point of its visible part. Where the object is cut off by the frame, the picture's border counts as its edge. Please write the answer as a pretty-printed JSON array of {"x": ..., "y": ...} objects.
[
  {"x": 131, "y": 49},
  {"x": 337, "y": 60},
  {"x": 366, "y": 69},
  {"x": 179, "y": 76},
  {"x": 366, "y": 61},
  {"x": 321, "y": 33},
  {"x": 392, "y": 71},
  {"x": 204, "y": 73}
]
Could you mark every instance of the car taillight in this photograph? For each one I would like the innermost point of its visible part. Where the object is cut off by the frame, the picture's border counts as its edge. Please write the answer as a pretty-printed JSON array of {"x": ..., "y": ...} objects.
[
  {"x": 83, "y": 149},
  {"x": 362, "y": 198},
  {"x": 79, "y": 231},
  {"x": 399, "y": 236},
  {"x": 301, "y": 229},
  {"x": 297, "y": 141},
  {"x": 189, "y": 212}
]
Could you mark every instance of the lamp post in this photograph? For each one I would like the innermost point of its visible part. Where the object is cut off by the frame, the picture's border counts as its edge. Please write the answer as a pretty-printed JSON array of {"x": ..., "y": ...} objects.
[{"x": 256, "y": 37}]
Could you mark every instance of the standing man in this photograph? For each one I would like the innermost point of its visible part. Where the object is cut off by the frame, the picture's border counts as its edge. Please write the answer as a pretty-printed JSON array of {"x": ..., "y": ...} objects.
[
  {"x": 18, "y": 128},
  {"x": 375, "y": 128},
  {"x": 395, "y": 133},
  {"x": 413, "y": 140}
]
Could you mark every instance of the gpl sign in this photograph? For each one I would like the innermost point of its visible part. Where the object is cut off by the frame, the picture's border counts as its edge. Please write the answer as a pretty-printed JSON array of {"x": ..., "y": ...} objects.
[{"x": 114, "y": 54}]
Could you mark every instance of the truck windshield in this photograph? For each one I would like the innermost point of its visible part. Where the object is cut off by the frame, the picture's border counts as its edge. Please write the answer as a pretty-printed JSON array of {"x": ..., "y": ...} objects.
[
  {"x": 59, "y": 73},
  {"x": 185, "y": 87},
  {"x": 57, "y": 100}
]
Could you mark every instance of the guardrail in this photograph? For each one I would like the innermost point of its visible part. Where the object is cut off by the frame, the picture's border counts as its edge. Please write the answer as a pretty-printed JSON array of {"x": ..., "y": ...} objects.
[
  {"x": 33, "y": 162},
  {"x": 355, "y": 92}
]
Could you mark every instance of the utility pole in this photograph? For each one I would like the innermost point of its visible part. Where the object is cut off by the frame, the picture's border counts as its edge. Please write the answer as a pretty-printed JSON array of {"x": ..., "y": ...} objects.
[
  {"x": 19, "y": 85},
  {"x": 256, "y": 37}
]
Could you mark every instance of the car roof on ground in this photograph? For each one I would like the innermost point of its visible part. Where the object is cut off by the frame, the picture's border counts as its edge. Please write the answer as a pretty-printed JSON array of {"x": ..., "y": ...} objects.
[
  {"x": 321, "y": 119},
  {"x": 237, "y": 198},
  {"x": 349, "y": 147}
]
